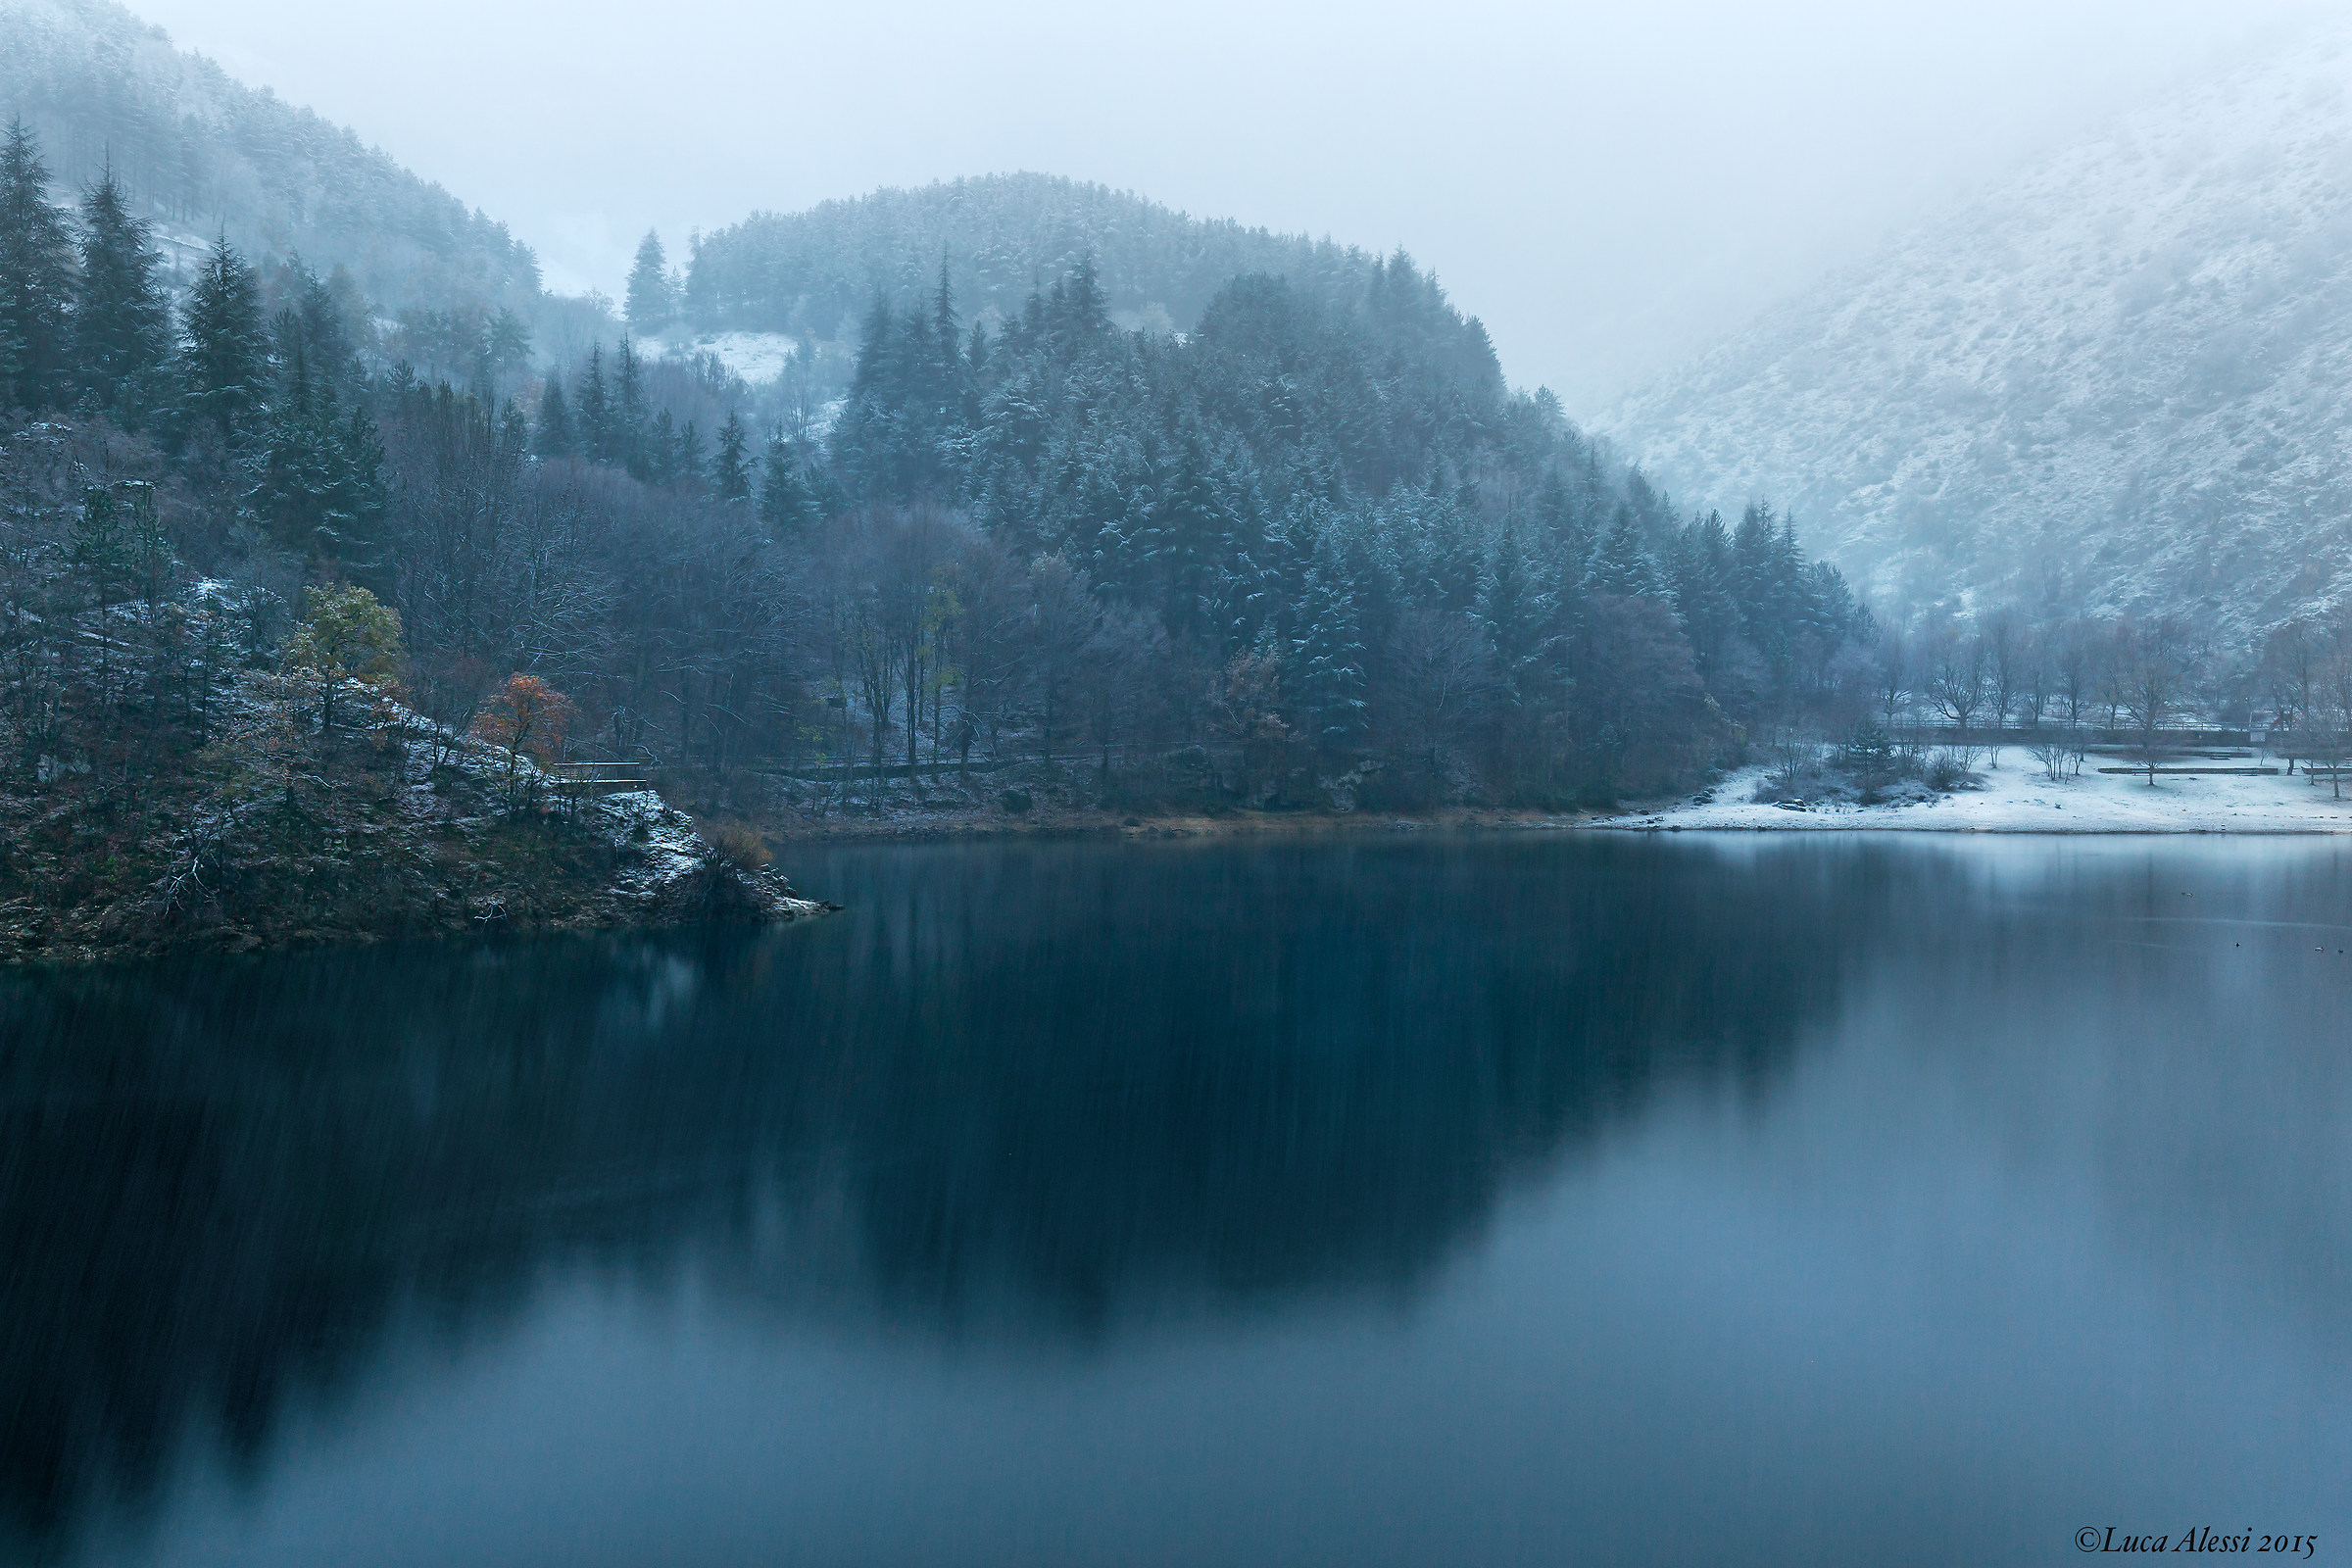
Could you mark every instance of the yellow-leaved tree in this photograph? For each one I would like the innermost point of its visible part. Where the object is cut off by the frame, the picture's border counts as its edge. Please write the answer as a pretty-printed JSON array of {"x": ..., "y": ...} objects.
[{"x": 345, "y": 635}]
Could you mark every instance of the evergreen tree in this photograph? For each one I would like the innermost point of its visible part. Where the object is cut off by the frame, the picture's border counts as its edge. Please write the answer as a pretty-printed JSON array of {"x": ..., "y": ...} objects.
[
  {"x": 100, "y": 547},
  {"x": 885, "y": 441},
  {"x": 1449, "y": 548},
  {"x": 1768, "y": 578},
  {"x": 223, "y": 356},
  {"x": 297, "y": 466},
  {"x": 1328, "y": 654},
  {"x": 653, "y": 298},
  {"x": 1085, "y": 312},
  {"x": 657, "y": 460},
  {"x": 12, "y": 357},
  {"x": 37, "y": 276},
  {"x": 731, "y": 471},
  {"x": 1188, "y": 539},
  {"x": 1561, "y": 522},
  {"x": 867, "y": 376},
  {"x": 786, "y": 504},
  {"x": 627, "y": 443},
  {"x": 554, "y": 437},
  {"x": 358, "y": 498},
  {"x": 947, "y": 347},
  {"x": 1836, "y": 612},
  {"x": 514, "y": 430},
  {"x": 1702, "y": 585},
  {"x": 320, "y": 488},
  {"x": 1511, "y": 608},
  {"x": 975, "y": 373},
  {"x": 332, "y": 317},
  {"x": 1621, "y": 563},
  {"x": 595, "y": 409},
  {"x": 121, "y": 323}
]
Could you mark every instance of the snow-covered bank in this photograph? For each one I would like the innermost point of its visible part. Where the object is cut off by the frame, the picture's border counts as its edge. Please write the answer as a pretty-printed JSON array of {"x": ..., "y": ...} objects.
[{"x": 2016, "y": 797}]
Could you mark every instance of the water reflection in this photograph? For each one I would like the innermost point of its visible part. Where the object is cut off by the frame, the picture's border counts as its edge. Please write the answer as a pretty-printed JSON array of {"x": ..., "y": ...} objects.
[
  {"x": 1040, "y": 1098},
  {"x": 1013, "y": 1092}
]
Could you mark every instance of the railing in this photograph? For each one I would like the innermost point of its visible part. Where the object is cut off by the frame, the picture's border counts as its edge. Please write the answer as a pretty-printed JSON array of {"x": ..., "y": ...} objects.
[
  {"x": 1934, "y": 734},
  {"x": 601, "y": 778},
  {"x": 836, "y": 773},
  {"x": 2161, "y": 767}
]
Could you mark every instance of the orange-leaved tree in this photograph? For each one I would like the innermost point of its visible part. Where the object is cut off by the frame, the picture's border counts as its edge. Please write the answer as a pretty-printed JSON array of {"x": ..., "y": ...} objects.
[{"x": 524, "y": 717}]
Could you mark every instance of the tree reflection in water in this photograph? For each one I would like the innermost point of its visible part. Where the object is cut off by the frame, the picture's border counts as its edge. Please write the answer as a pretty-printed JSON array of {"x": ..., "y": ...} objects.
[{"x": 1028, "y": 1093}]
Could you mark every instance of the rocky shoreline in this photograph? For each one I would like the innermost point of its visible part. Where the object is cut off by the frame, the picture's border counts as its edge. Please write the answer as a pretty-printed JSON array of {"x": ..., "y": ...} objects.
[
  {"x": 387, "y": 828},
  {"x": 657, "y": 873}
]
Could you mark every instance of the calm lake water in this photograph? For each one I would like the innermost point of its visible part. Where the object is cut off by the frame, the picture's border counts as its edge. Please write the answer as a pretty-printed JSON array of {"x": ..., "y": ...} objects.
[{"x": 1499, "y": 1201}]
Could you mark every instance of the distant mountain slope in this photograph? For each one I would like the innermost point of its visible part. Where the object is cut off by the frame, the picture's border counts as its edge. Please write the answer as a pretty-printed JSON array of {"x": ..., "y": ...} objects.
[
  {"x": 2124, "y": 377},
  {"x": 205, "y": 153},
  {"x": 817, "y": 272}
]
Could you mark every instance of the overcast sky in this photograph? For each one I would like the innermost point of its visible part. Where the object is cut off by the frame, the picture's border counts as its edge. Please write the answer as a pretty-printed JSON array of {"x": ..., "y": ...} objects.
[{"x": 1606, "y": 185}]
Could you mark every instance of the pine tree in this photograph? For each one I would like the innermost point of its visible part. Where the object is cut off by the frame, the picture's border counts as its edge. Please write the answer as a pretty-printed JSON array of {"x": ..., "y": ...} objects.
[
  {"x": 786, "y": 505},
  {"x": 332, "y": 315},
  {"x": 627, "y": 441},
  {"x": 1327, "y": 655},
  {"x": 298, "y": 466},
  {"x": 554, "y": 437},
  {"x": 1702, "y": 569},
  {"x": 947, "y": 347},
  {"x": 868, "y": 437},
  {"x": 1511, "y": 608},
  {"x": 12, "y": 357},
  {"x": 657, "y": 460},
  {"x": 37, "y": 276},
  {"x": 595, "y": 409},
  {"x": 1621, "y": 565},
  {"x": 653, "y": 298},
  {"x": 975, "y": 373},
  {"x": 100, "y": 547},
  {"x": 223, "y": 356},
  {"x": 358, "y": 498},
  {"x": 121, "y": 323},
  {"x": 873, "y": 351},
  {"x": 1087, "y": 312},
  {"x": 1769, "y": 580},
  {"x": 1188, "y": 541},
  {"x": 731, "y": 472},
  {"x": 513, "y": 431},
  {"x": 1561, "y": 522}
]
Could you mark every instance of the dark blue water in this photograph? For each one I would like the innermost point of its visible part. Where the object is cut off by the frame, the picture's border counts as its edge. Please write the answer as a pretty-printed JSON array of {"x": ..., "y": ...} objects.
[{"x": 1503, "y": 1200}]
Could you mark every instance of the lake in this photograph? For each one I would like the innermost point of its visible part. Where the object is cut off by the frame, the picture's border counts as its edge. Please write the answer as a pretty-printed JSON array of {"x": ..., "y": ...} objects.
[{"x": 1403, "y": 1200}]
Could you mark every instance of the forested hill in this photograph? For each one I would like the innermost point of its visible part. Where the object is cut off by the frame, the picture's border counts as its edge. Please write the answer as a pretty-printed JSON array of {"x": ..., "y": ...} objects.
[
  {"x": 201, "y": 154},
  {"x": 1001, "y": 235},
  {"x": 1295, "y": 545}
]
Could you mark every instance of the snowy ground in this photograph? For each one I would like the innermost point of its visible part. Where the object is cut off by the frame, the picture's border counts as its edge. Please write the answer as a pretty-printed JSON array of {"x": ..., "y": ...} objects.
[
  {"x": 756, "y": 357},
  {"x": 2018, "y": 798}
]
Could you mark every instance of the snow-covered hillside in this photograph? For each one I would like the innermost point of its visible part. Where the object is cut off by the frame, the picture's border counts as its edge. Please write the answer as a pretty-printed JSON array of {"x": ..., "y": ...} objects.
[
  {"x": 202, "y": 153},
  {"x": 2123, "y": 380},
  {"x": 758, "y": 357}
]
